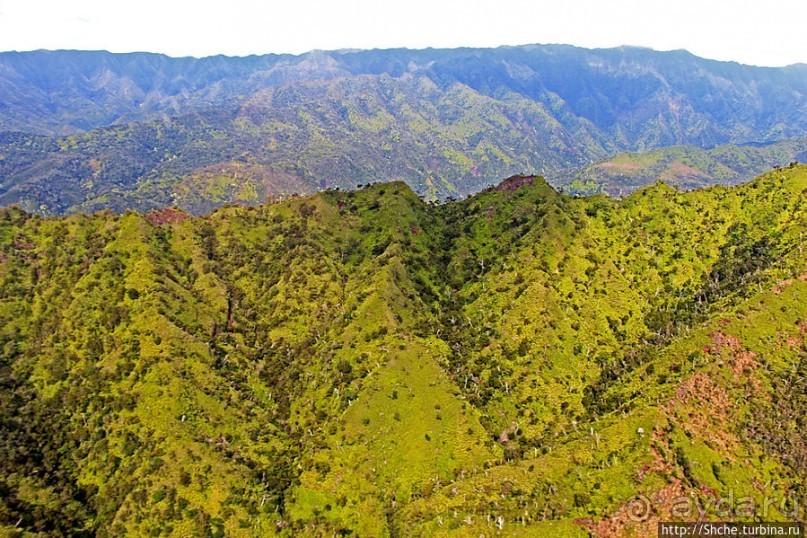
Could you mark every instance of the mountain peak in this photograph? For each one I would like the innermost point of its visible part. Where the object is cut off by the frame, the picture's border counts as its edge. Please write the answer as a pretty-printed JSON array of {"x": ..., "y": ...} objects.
[{"x": 518, "y": 181}]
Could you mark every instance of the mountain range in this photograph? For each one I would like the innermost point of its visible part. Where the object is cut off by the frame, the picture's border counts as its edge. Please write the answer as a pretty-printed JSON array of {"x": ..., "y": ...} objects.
[
  {"x": 518, "y": 363},
  {"x": 83, "y": 131}
]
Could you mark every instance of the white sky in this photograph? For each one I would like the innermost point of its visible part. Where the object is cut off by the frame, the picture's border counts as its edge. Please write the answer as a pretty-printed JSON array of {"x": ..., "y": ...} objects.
[{"x": 769, "y": 32}]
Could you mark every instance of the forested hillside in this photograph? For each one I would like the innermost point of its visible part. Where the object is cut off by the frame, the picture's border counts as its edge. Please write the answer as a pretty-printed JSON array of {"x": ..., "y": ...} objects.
[
  {"x": 84, "y": 131},
  {"x": 517, "y": 363}
]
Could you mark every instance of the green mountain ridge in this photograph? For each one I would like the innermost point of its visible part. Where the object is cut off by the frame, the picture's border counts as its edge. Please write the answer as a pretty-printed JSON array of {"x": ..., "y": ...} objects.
[{"x": 518, "y": 363}]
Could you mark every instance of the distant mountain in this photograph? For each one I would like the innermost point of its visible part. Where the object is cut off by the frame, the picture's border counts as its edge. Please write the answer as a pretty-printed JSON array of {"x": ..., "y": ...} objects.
[
  {"x": 143, "y": 130},
  {"x": 687, "y": 167},
  {"x": 639, "y": 97},
  {"x": 63, "y": 92},
  {"x": 519, "y": 363},
  {"x": 299, "y": 138}
]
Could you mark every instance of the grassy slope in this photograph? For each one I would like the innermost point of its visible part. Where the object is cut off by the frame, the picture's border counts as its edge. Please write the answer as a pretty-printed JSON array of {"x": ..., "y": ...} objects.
[
  {"x": 365, "y": 362},
  {"x": 688, "y": 167},
  {"x": 693, "y": 393}
]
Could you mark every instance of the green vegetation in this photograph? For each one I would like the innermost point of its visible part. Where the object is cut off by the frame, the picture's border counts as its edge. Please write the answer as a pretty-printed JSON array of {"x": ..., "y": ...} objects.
[
  {"x": 300, "y": 138},
  {"x": 86, "y": 131},
  {"x": 687, "y": 167},
  {"x": 365, "y": 363}
]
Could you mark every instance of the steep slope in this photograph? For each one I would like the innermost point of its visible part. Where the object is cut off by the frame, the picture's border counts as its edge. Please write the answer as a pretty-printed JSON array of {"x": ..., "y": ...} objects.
[
  {"x": 520, "y": 362},
  {"x": 299, "y": 138},
  {"x": 625, "y": 351},
  {"x": 141, "y": 130},
  {"x": 64, "y": 92},
  {"x": 649, "y": 98}
]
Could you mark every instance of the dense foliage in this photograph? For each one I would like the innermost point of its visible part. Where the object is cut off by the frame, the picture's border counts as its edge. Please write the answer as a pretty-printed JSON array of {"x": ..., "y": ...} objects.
[{"x": 366, "y": 363}]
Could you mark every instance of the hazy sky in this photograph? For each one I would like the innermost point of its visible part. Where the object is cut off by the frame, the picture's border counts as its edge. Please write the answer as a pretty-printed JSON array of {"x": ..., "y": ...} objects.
[{"x": 769, "y": 32}]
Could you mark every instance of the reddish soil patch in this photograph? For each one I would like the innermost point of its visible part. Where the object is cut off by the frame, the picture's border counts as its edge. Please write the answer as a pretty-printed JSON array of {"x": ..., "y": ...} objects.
[
  {"x": 702, "y": 408},
  {"x": 725, "y": 341},
  {"x": 659, "y": 464},
  {"x": 742, "y": 362},
  {"x": 679, "y": 169},
  {"x": 620, "y": 166},
  {"x": 169, "y": 215},
  {"x": 699, "y": 388},
  {"x": 515, "y": 182}
]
